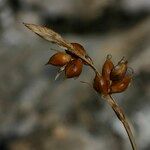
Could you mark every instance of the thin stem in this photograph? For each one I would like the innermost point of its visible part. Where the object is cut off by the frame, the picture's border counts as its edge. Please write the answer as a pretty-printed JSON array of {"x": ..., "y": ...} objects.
[{"x": 121, "y": 116}]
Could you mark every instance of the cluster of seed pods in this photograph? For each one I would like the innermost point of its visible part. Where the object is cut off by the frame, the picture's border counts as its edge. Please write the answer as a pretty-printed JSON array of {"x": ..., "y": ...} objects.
[
  {"x": 68, "y": 62},
  {"x": 114, "y": 79}
]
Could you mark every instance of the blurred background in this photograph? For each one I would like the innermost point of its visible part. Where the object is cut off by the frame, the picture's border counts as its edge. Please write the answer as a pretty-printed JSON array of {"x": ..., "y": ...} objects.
[{"x": 38, "y": 113}]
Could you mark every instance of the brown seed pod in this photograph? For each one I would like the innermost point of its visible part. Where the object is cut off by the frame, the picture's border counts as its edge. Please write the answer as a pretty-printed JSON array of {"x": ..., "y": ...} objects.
[
  {"x": 79, "y": 48},
  {"x": 119, "y": 70},
  {"x": 59, "y": 59},
  {"x": 107, "y": 68},
  {"x": 120, "y": 86},
  {"x": 74, "y": 68},
  {"x": 101, "y": 85}
]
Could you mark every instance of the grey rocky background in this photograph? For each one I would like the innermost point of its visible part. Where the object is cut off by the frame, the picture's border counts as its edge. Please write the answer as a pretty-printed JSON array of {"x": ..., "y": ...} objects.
[{"x": 38, "y": 113}]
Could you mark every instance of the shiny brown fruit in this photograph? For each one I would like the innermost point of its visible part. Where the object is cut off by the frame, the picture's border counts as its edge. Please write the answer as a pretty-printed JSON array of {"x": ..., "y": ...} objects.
[
  {"x": 107, "y": 68},
  {"x": 101, "y": 85},
  {"x": 79, "y": 48},
  {"x": 59, "y": 59},
  {"x": 119, "y": 71},
  {"x": 120, "y": 86},
  {"x": 74, "y": 68}
]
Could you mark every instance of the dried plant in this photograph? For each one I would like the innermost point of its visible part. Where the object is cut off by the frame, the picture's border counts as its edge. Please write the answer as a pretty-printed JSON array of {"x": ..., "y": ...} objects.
[{"x": 113, "y": 79}]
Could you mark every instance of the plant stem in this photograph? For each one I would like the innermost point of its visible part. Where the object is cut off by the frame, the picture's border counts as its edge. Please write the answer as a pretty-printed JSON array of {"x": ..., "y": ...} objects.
[{"x": 121, "y": 116}]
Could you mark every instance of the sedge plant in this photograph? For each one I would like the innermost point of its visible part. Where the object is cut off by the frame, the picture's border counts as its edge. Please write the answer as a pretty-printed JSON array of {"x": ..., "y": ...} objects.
[{"x": 112, "y": 79}]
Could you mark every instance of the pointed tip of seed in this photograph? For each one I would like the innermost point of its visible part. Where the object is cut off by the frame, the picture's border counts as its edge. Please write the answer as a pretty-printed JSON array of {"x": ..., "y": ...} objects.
[{"x": 109, "y": 56}]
